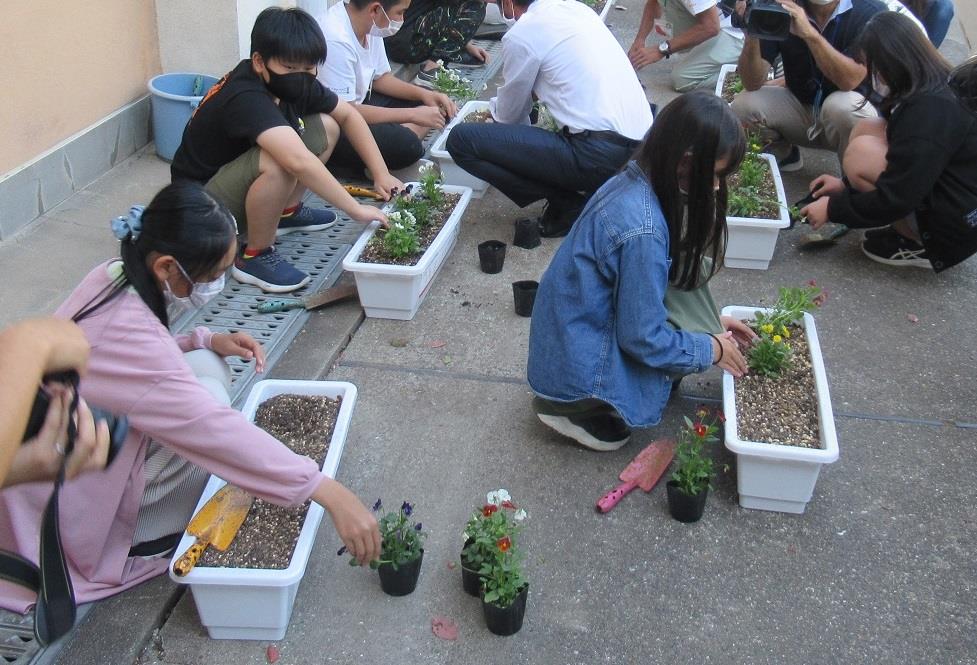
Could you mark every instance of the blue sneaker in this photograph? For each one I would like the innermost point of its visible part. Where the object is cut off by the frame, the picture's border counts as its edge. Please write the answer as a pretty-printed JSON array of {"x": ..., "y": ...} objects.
[
  {"x": 269, "y": 272},
  {"x": 306, "y": 219}
]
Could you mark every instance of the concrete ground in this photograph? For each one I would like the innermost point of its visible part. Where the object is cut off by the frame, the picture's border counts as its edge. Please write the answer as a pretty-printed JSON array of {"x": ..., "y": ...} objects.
[{"x": 879, "y": 569}]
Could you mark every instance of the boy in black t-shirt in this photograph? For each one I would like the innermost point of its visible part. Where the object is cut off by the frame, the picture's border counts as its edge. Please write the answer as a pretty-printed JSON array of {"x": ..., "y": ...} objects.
[{"x": 261, "y": 137}]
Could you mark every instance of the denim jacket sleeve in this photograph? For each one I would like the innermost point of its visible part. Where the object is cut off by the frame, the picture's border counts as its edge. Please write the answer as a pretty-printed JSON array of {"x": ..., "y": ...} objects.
[{"x": 639, "y": 265}]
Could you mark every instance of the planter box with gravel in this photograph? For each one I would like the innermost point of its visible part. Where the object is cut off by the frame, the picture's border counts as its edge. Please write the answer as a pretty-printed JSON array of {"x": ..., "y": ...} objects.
[
  {"x": 773, "y": 476},
  {"x": 395, "y": 290},
  {"x": 729, "y": 83},
  {"x": 752, "y": 237},
  {"x": 453, "y": 174},
  {"x": 245, "y": 602}
]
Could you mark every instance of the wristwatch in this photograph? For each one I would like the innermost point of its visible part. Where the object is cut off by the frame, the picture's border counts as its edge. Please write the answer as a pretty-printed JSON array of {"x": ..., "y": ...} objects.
[{"x": 665, "y": 50}]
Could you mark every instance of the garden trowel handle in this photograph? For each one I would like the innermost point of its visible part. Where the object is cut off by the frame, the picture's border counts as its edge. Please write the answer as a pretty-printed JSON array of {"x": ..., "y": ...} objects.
[
  {"x": 614, "y": 497},
  {"x": 189, "y": 559}
]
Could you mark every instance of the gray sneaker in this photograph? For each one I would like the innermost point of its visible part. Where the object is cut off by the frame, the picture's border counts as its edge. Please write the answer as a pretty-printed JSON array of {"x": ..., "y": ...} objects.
[
  {"x": 269, "y": 272},
  {"x": 425, "y": 77}
]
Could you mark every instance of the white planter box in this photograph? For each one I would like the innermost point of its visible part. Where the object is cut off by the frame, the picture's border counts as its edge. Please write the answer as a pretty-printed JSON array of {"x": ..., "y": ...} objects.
[
  {"x": 723, "y": 72},
  {"x": 608, "y": 6},
  {"x": 396, "y": 292},
  {"x": 771, "y": 476},
  {"x": 451, "y": 173},
  {"x": 256, "y": 604},
  {"x": 751, "y": 242}
]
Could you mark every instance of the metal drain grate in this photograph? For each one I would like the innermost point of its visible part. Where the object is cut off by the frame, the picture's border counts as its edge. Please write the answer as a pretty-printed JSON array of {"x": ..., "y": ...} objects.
[
  {"x": 480, "y": 76},
  {"x": 320, "y": 254},
  {"x": 17, "y": 645}
]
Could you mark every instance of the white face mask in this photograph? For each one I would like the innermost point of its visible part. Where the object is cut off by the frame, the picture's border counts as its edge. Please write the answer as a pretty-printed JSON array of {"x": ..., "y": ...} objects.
[
  {"x": 200, "y": 293},
  {"x": 390, "y": 30},
  {"x": 509, "y": 22},
  {"x": 821, "y": 2}
]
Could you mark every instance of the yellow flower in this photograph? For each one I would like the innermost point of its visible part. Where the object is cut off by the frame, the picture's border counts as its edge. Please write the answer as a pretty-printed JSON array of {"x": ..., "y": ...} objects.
[
  {"x": 777, "y": 339},
  {"x": 767, "y": 328},
  {"x": 785, "y": 331}
]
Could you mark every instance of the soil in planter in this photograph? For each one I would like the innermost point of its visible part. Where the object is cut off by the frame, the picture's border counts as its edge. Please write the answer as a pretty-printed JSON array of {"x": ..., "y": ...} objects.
[
  {"x": 782, "y": 410},
  {"x": 768, "y": 205},
  {"x": 269, "y": 533},
  {"x": 375, "y": 252},
  {"x": 478, "y": 116},
  {"x": 732, "y": 85}
]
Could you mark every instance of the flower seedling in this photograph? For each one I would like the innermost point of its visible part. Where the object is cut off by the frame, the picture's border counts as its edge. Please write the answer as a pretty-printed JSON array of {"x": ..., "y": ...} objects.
[
  {"x": 401, "y": 537},
  {"x": 498, "y": 519},
  {"x": 770, "y": 355},
  {"x": 503, "y": 574},
  {"x": 453, "y": 84},
  {"x": 694, "y": 470},
  {"x": 401, "y": 238}
]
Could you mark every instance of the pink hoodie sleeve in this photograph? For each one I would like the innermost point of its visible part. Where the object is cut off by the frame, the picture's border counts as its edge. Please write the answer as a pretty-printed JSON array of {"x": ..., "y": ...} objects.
[
  {"x": 137, "y": 369},
  {"x": 199, "y": 339}
]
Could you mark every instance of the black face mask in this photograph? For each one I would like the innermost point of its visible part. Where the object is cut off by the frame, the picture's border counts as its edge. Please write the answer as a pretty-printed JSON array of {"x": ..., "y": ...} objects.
[{"x": 290, "y": 87}]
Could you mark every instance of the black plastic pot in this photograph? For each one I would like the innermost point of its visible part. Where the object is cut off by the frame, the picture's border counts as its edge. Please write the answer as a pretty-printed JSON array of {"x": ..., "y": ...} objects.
[
  {"x": 683, "y": 507},
  {"x": 527, "y": 234},
  {"x": 471, "y": 581},
  {"x": 491, "y": 256},
  {"x": 524, "y": 295},
  {"x": 506, "y": 620},
  {"x": 402, "y": 581}
]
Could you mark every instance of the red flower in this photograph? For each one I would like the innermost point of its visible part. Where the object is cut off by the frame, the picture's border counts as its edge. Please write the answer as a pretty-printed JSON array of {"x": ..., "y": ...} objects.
[
  {"x": 488, "y": 509},
  {"x": 721, "y": 416},
  {"x": 504, "y": 544},
  {"x": 700, "y": 429},
  {"x": 509, "y": 505},
  {"x": 811, "y": 282}
]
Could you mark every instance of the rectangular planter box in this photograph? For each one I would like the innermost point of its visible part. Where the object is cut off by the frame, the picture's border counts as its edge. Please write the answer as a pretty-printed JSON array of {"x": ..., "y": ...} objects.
[
  {"x": 723, "y": 72},
  {"x": 254, "y": 604},
  {"x": 608, "y": 6},
  {"x": 396, "y": 292},
  {"x": 451, "y": 173},
  {"x": 751, "y": 241},
  {"x": 771, "y": 476}
]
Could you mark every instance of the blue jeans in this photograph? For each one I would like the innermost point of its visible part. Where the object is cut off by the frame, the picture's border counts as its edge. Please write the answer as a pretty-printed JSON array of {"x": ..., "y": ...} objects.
[
  {"x": 937, "y": 20},
  {"x": 528, "y": 163}
]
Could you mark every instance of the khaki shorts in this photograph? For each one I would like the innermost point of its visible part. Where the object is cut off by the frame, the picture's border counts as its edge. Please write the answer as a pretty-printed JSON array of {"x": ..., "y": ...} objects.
[{"x": 232, "y": 182}]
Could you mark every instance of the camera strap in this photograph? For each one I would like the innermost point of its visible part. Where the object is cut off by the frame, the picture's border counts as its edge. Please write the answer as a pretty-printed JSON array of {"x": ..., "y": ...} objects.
[{"x": 55, "y": 610}]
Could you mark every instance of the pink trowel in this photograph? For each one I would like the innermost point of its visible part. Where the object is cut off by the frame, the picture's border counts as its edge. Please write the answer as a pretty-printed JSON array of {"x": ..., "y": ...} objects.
[{"x": 643, "y": 471}]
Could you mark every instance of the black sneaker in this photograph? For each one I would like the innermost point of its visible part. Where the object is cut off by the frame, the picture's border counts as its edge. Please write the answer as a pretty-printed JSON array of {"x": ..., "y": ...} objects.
[
  {"x": 425, "y": 77},
  {"x": 603, "y": 432},
  {"x": 894, "y": 249},
  {"x": 558, "y": 218},
  {"x": 465, "y": 60},
  {"x": 792, "y": 162},
  {"x": 306, "y": 219},
  {"x": 878, "y": 230},
  {"x": 269, "y": 272}
]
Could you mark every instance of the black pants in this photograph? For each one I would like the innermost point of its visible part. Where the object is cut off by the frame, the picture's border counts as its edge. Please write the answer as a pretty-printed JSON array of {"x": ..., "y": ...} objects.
[
  {"x": 436, "y": 34},
  {"x": 511, "y": 159},
  {"x": 399, "y": 146}
]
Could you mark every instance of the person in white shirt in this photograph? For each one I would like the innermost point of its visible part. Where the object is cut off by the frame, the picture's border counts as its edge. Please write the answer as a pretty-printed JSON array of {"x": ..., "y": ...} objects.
[
  {"x": 696, "y": 28},
  {"x": 560, "y": 53},
  {"x": 357, "y": 70}
]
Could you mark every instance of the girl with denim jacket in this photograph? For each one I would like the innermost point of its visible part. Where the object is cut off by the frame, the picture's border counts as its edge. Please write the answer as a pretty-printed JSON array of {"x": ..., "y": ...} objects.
[{"x": 624, "y": 310}]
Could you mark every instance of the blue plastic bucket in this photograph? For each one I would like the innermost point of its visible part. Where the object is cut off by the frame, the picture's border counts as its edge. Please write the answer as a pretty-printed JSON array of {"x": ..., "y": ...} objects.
[{"x": 174, "y": 101}]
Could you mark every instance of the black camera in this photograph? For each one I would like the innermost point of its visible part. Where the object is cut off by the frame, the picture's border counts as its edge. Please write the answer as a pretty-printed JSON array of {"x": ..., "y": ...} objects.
[
  {"x": 765, "y": 19},
  {"x": 118, "y": 425}
]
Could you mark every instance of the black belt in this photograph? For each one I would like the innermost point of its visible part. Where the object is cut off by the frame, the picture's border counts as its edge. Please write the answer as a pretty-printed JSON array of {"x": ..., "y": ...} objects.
[{"x": 605, "y": 135}]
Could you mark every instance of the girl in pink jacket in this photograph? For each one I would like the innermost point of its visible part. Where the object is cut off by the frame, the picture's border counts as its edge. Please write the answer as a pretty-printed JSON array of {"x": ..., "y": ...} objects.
[{"x": 173, "y": 255}]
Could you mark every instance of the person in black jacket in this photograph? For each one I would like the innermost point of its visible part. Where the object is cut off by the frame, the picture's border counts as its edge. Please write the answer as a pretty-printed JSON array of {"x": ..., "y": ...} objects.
[{"x": 914, "y": 171}]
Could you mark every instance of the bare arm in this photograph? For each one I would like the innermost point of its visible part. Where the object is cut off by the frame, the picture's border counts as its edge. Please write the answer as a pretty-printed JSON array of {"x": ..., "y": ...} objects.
[
  {"x": 358, "y": 133},
  {"x": 706, "y": 27},
  {"x": 751, "y": 66},
  {"x": 651, "y": 11},
  {"x": 841, "y": 70},
  {"x": 286, "y": 148},
  {"x": 435, "y": 106}
]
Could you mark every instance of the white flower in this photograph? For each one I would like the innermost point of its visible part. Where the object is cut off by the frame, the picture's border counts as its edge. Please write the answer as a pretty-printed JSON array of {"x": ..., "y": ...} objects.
[
  {"x": 440, "y": 63},
  {"x": 424, "y": 168},
  {"x": 484, "y": 86},
  {"x": 520, "y": 515},
  {"x": 497, "y": 497}
]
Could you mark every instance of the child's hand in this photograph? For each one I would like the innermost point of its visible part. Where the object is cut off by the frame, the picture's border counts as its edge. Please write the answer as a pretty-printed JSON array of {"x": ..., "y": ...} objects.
[
  {"x": 365, "y": 214},
  {"x": 826, "y": 185},
  {"x": 241, "y": 345},
  {"x": 743, "y": 334},
  {"x": 816, "y": 213},
  {"x": 387, "y": 185}
]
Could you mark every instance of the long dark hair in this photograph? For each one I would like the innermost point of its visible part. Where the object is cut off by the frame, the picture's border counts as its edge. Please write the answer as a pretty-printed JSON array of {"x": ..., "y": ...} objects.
[
  {"x": 700, "y": 125},
  {"x": 184, "y": 221},
  {"x": 894, "y": 49}
]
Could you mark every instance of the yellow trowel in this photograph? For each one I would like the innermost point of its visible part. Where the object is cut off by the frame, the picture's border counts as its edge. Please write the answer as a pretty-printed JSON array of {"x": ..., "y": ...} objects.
[{"x": 215, "y": 525}]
